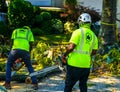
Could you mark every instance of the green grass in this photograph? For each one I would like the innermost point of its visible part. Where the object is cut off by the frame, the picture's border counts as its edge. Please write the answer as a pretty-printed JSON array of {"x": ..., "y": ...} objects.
[{"x": 54, "y": 39}]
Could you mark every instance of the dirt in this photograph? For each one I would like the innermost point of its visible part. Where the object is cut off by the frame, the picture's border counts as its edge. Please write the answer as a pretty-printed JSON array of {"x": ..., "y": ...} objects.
[{"x": 55, "y": 83}]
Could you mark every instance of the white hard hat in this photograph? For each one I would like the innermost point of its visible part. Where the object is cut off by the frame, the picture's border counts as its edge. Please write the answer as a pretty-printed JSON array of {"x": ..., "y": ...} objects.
[{"x": 85, "y": 17}]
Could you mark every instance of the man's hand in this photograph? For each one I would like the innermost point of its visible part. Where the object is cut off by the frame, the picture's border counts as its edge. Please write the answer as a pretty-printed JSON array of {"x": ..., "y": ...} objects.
[{"x": 64, "y": 60}]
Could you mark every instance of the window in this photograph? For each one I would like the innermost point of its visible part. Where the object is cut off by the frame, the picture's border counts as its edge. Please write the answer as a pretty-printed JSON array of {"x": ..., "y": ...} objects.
[{"x": 40, "y": 2}]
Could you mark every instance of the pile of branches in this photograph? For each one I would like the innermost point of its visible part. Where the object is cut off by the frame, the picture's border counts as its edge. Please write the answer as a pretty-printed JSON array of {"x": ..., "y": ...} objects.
[
  {"x": 73, "y": 12},
  {"x": 109, "y": 62}
]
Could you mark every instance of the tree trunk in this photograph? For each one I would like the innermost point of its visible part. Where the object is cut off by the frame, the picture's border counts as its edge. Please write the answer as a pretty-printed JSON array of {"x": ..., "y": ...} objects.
[{"x": 108, "y": 23}]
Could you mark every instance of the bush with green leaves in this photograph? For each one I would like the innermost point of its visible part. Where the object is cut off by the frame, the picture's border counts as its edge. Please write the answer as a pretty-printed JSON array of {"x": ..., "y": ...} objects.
[
  {"x": 57, "y": 26},
  {"x": 37, "y": 31},
  {"x": 4, "y": 51},
  {"x": 36, "y": 10},
  {"x": 38, "y": 19},
  {"x": 3, "y": 28},
  {"x": 39, "y": 54},
  {"x": 46, "y": 26},
  {"x": 20, "y": 13},
  {"x": 2, "y": 66},
  {"x": 46, "y": 15}
]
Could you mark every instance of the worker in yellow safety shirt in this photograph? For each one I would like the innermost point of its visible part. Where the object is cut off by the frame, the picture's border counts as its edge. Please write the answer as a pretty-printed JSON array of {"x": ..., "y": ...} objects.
[
  {"x": 20, "y": 48},
  {"x": 83, "y": 43}
]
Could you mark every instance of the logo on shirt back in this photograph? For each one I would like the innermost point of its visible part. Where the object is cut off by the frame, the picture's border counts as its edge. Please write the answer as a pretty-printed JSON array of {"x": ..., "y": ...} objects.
[{"x": 88, "y": 38}]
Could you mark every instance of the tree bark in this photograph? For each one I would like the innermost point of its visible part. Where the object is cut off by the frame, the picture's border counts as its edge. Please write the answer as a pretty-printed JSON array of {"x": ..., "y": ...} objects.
[{"x": 108, "y": 22}]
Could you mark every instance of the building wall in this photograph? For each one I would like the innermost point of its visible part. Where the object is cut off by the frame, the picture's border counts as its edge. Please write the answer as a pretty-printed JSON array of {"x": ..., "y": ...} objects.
[
  {"x": 92, "y": 4},
  {"x": 58, "y": 3},
  {"x": 49, "y": 3},
  {"x": 40, "y": 2}
]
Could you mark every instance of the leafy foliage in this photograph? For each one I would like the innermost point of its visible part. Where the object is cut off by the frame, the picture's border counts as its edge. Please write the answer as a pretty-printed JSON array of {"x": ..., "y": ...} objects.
[
  {"x": 72, "y": 2},
  {"x": 46, "y": 15},
  {"x": 38, "y": 19},
  {"x": 46, "y": 27},
  {"x": 3, "y": 28},
  {"x": 69, "y": 27},
  {"x": 109, "y": 61},
  {"x": 57, "y": 26},
  {"x": 39, "y": 54},
  {"x": 72, "y": 11},
  {"x": 37, "y": 31},
  {"x": 20, "y": 13},
  {"x": 2, "y": 66},
  {"x": 4, "y": 51},
  {"x": 36, "y": 10}
]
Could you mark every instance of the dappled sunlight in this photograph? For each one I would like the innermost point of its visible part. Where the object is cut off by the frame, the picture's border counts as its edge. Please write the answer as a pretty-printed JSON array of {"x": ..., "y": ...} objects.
[
  {"x": 107, "y": 83},
  {"x": 44, "y": 38}
]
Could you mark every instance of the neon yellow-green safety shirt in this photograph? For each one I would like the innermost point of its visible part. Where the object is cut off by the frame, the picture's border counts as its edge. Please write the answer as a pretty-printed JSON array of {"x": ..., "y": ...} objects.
[
  {"x": 85, "y": 40},
  {"x": 21, "y": 38}
]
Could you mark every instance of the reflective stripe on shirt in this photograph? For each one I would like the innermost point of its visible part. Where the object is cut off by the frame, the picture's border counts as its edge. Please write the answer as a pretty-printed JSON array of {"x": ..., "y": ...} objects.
[
  {"x": 81, "y": 44},
  {"x": 18, "y": 37}
]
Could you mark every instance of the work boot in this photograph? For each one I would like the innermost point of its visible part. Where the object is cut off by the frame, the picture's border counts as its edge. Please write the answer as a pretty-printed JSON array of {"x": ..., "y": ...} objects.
[
  {"x": 35, "y": 86},
  {"x": 7, "y": 85}
]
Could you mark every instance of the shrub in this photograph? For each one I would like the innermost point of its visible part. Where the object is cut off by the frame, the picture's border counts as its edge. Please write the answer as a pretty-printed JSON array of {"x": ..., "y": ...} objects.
[
  {"x": 46, "y": 26},
  {"x": 37, "y": 31},
  {"x": 57, "y": 26},
  {"x": 36, "y": 10},
  {"x": 3, "y": 28},
  {"x": 20, "y": 13},
  {"x": 38, "y": 19},
  {"x": 2, "y": 66},
  {"x": 46, "y": 15},
  {"x": 4, "y": 51}
]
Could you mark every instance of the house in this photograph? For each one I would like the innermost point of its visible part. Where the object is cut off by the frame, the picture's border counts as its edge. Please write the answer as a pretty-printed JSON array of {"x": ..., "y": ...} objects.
[
  {"x": 47, "y": 3},
  {"x": 3, "y": 17}
]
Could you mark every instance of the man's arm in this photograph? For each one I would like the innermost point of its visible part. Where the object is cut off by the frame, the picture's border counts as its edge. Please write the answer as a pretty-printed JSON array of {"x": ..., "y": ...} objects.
[
  {"x": 31, "y": 46},
  {"x": 93, "y": 52},
  {"x": 11, "y": 44},
  {"x": 69, "y": 49}
]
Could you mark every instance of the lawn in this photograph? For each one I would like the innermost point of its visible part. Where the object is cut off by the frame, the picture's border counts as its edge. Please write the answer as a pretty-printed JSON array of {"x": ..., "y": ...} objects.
[{"x": 53, "y": 39}]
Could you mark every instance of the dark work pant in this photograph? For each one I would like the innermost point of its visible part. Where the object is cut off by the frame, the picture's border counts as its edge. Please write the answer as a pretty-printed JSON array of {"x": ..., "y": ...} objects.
[
  {"x": 75, "y": 74},
  {"x": 15, "y": 54}
]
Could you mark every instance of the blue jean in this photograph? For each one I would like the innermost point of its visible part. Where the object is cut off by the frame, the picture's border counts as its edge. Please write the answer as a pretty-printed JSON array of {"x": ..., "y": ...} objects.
[{"x": 15, "y": 54}]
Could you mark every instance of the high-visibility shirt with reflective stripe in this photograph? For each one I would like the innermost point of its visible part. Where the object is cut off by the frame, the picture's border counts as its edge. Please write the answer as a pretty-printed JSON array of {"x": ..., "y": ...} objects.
[
  {"x": 21, "y": 38},
  {"x": 85, "y": 40}
]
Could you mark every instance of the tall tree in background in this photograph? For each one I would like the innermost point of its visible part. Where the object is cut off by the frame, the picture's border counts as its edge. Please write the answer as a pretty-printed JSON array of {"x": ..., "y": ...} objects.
[
  {"x": 3, "y": 6},
  {"x": 20, "y": 13},
  {"x": 108, "y": 23},
  {"x": 71, "y": 10}
]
